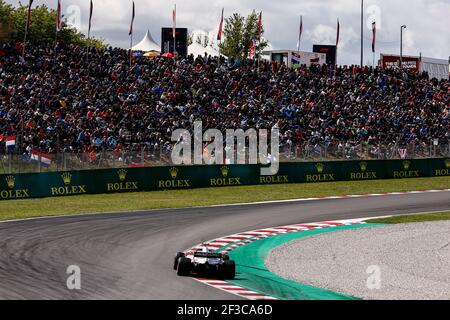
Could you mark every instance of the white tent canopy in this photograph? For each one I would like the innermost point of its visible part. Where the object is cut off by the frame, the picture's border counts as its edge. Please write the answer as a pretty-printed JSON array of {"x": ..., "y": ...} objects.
[
  {"x": 198, "y": 50},
  {"x": 147, "y": 44}
]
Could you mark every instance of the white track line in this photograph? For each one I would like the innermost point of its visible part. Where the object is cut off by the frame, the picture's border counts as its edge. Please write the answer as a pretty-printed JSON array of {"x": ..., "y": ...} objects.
[{"x": 231, "y": 205}]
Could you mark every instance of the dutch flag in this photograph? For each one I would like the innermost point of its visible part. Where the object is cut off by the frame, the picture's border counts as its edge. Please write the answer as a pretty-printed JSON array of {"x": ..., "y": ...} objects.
[
  {"x": 10, "y": 143},
  {"x": 46, "y": 159}
]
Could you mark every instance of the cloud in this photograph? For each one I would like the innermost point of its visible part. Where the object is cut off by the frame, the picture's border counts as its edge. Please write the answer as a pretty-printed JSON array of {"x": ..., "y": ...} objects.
[{"x": 427, "y": 22}]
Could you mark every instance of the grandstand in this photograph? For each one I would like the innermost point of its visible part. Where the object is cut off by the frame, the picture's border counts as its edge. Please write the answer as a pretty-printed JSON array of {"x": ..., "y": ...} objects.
[{"x": 102, "y": 113}]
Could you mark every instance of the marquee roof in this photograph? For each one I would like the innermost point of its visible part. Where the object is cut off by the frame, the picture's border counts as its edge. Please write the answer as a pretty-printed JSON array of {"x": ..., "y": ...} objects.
[{"x": 147, "y": 44}]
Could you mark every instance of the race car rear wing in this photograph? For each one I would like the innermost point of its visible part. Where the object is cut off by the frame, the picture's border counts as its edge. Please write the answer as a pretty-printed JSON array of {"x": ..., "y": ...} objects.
[{"x": 208, "y": 255}]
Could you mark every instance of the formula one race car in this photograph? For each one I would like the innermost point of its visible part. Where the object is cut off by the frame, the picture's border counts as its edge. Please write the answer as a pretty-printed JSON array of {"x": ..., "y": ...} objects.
[{"x": 205, "y": 262}]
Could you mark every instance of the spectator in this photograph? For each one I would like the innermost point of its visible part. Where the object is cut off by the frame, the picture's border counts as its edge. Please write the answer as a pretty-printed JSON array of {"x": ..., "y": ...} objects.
[{"x": 85, "y": 106}]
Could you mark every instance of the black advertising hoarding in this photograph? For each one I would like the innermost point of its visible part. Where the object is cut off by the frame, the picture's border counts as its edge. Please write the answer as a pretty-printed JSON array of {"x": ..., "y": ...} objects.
[
  {"x": 330, "y": 51},
  {"x": 181, "y": 41}
]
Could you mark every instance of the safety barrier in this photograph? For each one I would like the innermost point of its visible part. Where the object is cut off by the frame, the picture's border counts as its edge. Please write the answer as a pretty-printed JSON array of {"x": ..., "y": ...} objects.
[{"x": 51, "y": 184}]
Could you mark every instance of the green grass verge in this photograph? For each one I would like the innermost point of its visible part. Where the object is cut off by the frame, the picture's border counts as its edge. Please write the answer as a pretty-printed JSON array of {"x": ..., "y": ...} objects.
[
  {"x": 19, "y": 209},
  {"x": 439, "y": 216}
]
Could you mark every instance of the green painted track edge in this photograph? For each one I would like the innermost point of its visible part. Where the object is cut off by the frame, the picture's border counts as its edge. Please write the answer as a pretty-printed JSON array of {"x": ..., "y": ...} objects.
[{"x": 252, "y": 273}]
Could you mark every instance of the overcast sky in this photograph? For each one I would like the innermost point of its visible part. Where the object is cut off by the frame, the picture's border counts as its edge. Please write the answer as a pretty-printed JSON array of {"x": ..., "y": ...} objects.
[{"x": 427, "y": 21}]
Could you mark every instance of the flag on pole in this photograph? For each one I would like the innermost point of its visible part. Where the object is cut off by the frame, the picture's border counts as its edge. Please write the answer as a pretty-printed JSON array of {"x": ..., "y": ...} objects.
[
  {"x": 58, "y": 17},
  {"x": 374, "y": 35},
  {"x": 132, "y": 21},
  {"x": 219, "y": 35},
  {"x": 91, "y": 10},
  {"x": 252, "y": 52},
  {"x": 300, "y": 33},
  {"x": 29, "y": 15},
  {"x": 338, "y": 31},
  {"x": 259, "y": 26},
  {"x": 10, "y": 143},
  {"x": 174, "y": 18}
]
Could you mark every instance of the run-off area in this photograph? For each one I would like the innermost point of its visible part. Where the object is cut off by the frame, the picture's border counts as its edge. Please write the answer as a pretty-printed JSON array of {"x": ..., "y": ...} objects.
[{"x": 407, "y": 261}]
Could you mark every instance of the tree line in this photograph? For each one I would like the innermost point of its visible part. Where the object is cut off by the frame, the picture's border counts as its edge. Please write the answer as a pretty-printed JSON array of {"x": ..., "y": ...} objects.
[{"x": 42, "y": 28}]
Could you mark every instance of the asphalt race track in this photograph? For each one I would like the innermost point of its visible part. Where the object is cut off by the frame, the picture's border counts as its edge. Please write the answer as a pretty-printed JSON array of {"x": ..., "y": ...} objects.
[{"x": 130, "y": 255}]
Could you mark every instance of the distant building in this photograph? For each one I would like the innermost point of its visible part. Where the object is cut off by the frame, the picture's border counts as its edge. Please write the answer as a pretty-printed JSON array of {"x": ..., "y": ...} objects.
[
  {"x": 436, "y": 68},
  {"x": 329, "y": 50},
  {"x": 291, "y": 58}
]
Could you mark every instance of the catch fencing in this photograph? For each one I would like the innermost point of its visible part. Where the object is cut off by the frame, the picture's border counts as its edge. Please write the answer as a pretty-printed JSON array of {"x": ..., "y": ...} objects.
[{"x": 141, "y": 155}]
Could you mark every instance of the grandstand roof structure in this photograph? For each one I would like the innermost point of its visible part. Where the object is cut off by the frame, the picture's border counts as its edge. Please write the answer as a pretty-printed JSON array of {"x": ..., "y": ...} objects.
[{"x": 147, "y": 44}]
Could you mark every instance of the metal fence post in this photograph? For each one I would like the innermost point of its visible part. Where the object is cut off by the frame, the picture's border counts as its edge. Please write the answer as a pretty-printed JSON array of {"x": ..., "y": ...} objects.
[
  {"x": 434, "y": 149},
  {"x": 113, "y": 159},
  {"x": 431, "y": 148},
  {"x": 64, "y": 160},
  {"x": 102, "y": 158},
  {"x": 9, "y": 163}
]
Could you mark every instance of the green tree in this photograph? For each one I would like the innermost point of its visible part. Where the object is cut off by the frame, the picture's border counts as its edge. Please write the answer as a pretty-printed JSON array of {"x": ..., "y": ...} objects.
[
  {"x": 43, "y": 26},
  {"x": 190, "y": 38},
  {"x": 203, "y": 40},
  {"x": 6, "y": 11},
  {"x": 238, "y": 33}
]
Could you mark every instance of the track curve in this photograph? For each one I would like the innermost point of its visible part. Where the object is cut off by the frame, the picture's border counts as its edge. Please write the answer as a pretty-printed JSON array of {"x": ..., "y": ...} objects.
[{"x": 129, "y": 255}]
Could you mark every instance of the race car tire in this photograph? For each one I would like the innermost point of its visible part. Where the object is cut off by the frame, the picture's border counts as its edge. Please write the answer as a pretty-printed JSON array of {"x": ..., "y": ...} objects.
[
  {"x": 229, "y": 270},
  {"x": 184, "y": 266},
  {"x": 177, "y": 257}
]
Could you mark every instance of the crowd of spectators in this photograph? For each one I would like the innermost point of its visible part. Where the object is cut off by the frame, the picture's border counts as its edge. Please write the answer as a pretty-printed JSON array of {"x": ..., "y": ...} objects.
[{"x": 68, "y": 100}]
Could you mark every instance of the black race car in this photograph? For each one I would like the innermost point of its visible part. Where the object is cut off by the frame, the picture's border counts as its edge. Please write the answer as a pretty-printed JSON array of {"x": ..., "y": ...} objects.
[{"x": 205, "y": 262}]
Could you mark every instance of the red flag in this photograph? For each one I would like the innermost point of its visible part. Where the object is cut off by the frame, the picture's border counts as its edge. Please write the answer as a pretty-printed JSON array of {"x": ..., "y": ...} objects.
[
  {"x": 132, "y": 21},
  {"x": 259, "y": 26},
  {"x": 300, "y": 33},
  {"x": 58, "y": 17},
  {"x": 374, "y": 33},
  {"x": 91, "y": 10},
  {"x": 44, "y": 158},
  {"x": 252, "y": 52},
  {"x": 338, "y": 31},
  {"x": 219, "y": 35},
  {"x": 29, "y": 15},
  {"x": 174, "y": 17},
  {"x": 301, "y": 25}
]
